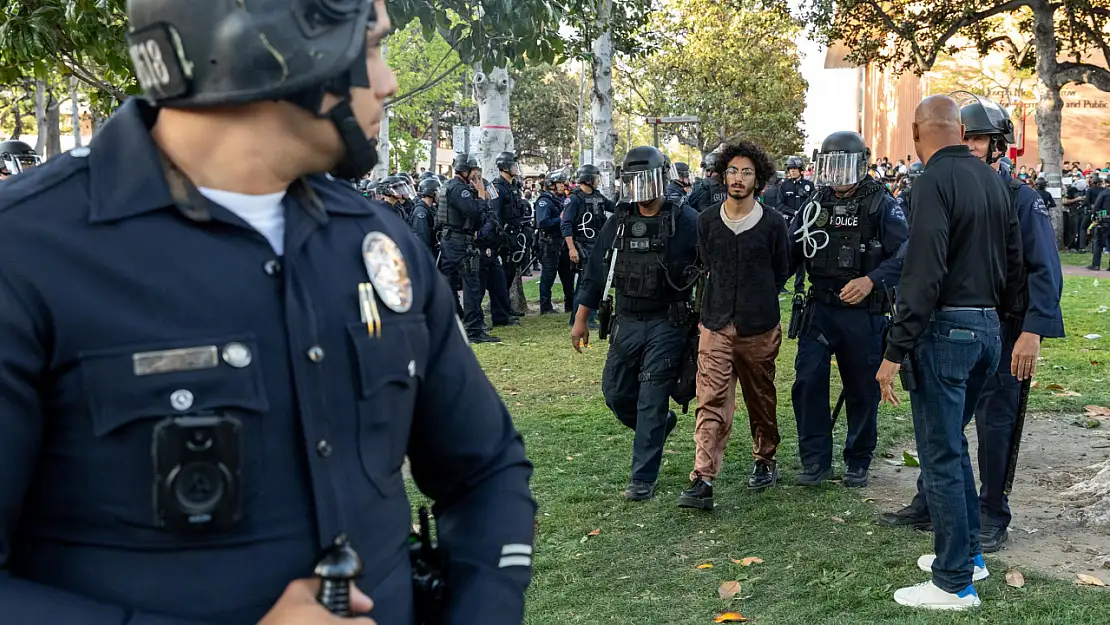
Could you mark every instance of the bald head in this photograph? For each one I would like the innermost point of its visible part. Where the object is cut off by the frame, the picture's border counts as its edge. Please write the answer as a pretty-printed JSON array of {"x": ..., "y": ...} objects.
[{"x": 936, "y": 125}]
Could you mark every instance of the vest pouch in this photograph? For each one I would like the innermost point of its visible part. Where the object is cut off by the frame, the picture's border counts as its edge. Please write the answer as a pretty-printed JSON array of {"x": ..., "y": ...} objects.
[{"x": 846, "y": 250}]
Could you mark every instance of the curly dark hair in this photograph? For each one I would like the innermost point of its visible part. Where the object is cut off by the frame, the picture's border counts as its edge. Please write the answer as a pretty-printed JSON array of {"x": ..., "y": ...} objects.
[{"x": 764, "y": 167}]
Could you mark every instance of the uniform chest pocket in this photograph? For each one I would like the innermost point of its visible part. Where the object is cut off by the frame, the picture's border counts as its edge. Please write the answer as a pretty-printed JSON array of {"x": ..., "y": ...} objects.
[
  {"x": 391, "y": 370},
  {"x": 131, "y": 389}
]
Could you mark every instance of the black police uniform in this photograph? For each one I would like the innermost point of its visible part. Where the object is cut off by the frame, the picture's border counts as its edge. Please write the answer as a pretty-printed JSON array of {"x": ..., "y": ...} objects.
[
  {"x": 459, "y": 216},
  {"x": 490, "y": 272},
  {"x": 675, "y": 190},
  {"x": 553, "y": 252},
  {"x": 511, "y": 210},
  {"x": 865, "y": 233},
  {"x": 649, "y": 331},
  {"x": 422, "y": 223},
  {"x": 126, "y": 298},
  {"x": 583, "y": 218},
  {"x": 794, "y": 195},
  {"x": 1100, "y": 239},
  {"x": 706, "y": 192}
]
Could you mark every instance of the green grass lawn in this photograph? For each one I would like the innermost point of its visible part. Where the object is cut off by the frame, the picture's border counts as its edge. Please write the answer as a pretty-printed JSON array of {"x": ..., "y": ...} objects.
[
  {"x": 1076, "y": 259},
  {"x": 641, "y": 568}
]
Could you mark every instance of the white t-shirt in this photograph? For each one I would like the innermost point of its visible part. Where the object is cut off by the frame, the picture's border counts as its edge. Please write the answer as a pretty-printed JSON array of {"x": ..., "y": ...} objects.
[
  {"x": 263, "y": 212},
  {"x": 745, "y": 223}
]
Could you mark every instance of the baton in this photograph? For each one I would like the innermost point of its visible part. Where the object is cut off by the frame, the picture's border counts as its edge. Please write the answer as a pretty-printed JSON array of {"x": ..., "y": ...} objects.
[
  {"x": 836, "y": 410},
  {"x": 1015, "y": 444}
]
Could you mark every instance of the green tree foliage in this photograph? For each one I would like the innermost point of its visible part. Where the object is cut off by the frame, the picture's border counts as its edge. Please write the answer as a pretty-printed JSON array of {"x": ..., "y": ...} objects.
[
  {"x": 734, "y": 64},
  {"x": 544, "y": 114}
]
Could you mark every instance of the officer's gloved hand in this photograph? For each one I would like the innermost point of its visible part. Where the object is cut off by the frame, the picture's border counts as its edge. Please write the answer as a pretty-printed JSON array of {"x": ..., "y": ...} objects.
[{"x": 298, "y": 606}]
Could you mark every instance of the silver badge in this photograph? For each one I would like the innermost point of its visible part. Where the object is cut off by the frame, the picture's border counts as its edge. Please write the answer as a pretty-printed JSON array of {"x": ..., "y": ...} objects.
[
  {"x": 639, "y": 228},
  {"x": 388, "y": 271},
  {"x": 181, "y": 400},
  {"x": 489, "y": 252},
  {"x": 237, "y": 355},
  {"x": 822, "y": 218}
]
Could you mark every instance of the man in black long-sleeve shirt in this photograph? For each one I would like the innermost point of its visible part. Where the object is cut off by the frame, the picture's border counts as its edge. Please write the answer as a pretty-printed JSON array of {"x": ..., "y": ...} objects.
[{"x": 962, "y": 263}]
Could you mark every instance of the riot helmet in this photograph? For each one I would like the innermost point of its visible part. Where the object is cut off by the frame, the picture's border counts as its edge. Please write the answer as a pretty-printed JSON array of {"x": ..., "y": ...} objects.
[
  {"x": 794, "y": 162},
  {"x": 983, "y": 117},
  {"x": 1041, "y": 183},
  {"x": 682, "y": 173},
  {"x": 463, "y": 163},
  {"x": 644, "y": 174},
  {"x": 408, "y": 178},
  {"x": 396, "y": 187},
  {"x": 17, "y": 156},
  {"x": 588, "y": 174},
  {"x": 554, "y": 178},
  {"x": 709, "y": 164},
  {"x": 424, "y": 175},
  {"x": 506, "y": 161},
  {"x": 233, "y": 53},
  {"x": 916, "y": 169},
  {"x": 429, "y": 187},
  {"x": 842, "y": 161}
]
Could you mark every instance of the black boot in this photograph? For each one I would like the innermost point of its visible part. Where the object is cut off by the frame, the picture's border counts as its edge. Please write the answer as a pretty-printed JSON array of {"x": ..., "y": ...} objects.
[
  {"x": 991, "y": 538},
  {"x": 639, "y": 490},
  {"x": 855, "y": 478},
  {"x": 699, "y": 495},
  {"x": 764, "y": 475},
  {"x": 813, "y": 475},
  {"x": 910, "y": 516}
]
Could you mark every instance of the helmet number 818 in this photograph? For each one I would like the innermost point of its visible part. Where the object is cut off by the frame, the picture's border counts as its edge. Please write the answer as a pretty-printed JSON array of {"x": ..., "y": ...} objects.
[{"x": 149, "y": 66}]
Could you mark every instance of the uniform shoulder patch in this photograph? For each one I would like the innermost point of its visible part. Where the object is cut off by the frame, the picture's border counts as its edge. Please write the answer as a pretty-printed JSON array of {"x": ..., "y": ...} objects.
[
  {"x": 465, "y": 194},
  {"x": 1040, "y": 208},
  {"x": 896, "y": 212},
  {"x": 566, "y": 201}
]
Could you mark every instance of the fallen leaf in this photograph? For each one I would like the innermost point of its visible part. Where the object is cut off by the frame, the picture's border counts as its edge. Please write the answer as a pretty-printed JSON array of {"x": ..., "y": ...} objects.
[
  {"x": 750, "y": 560},
  {"x": 1095, "y": 363},
  {"x": 728, "y": 590},
  {"x": 1014, "y": 578},
  {"x": 887, "y": 454},
  {"x": 1067, "y": 394},
  {"x": 514, "y": 393},
  {"x": 730, "y": 617},
  {"x": 1035, "y": 384},
  {"x": 1088, "y": 580},
  {"x": 1091, "y": 337},
  {"x": 1054, "y": 387},
  {"x": 1097, "y": 411},
  {"x": 909, "y": 460},
  {"x": 704, "y": 565},
  {"x": 518, "y": 404},
  {"x": 836, "y": 519},
  {"x": 669, "y": 451},
  {"x": 594, "y": 532},
  {"x": 570, "y": 457}
]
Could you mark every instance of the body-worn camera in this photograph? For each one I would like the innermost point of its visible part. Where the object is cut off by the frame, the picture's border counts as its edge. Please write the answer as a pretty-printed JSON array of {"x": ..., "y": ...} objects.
[{"x": 197, "y": 473}]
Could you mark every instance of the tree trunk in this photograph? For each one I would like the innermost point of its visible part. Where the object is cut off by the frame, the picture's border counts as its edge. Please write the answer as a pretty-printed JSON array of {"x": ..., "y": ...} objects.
[
  {"x": 381, "y": 170},
  {"x": 94, "y": 121},
  {"x": 1092, "y": 497},
  {"x": 601, "y": 105},
  {"x": 75, "y": 112},
  {"x": 40, "y": 116},
  {"x": 492, "y": 93},
  {"x": 1050, "y": 107},
  {"x": 53, "y": 128},
  {"x": 437, "y": 113},
  {"x": 17, "y": 124}
]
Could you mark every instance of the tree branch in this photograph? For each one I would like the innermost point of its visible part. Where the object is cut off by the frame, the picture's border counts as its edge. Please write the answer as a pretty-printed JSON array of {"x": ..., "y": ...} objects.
[
  {"x": 1084, "y": 73},
  {"x": 1098, "y": 38},
  {"x": 428, "y": 85}
]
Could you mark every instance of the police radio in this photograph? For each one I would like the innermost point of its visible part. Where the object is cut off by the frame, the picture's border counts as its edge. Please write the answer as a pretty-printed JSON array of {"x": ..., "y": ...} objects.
[{"x": 197, "y": 473}]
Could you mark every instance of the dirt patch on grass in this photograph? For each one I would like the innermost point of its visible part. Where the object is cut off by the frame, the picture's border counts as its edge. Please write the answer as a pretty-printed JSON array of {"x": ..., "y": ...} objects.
[{"x": 1047, "y": 533}]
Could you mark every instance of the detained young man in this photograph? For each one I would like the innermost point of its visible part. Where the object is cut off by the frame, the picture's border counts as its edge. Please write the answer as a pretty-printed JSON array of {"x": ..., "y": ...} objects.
[{"x": 745, "y": 249}]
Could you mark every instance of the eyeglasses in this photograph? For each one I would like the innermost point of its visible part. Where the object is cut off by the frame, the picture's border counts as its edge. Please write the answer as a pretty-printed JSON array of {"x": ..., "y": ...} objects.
[{"x": 747, "y": 172}]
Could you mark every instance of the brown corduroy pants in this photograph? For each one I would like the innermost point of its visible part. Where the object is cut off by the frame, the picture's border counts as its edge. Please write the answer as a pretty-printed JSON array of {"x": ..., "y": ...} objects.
[{"x": 723, "y": 358}]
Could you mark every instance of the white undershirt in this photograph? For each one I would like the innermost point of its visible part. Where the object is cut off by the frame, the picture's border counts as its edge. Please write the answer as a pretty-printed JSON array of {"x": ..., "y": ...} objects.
[
  {"x": 745, "y": 223},
  {"x": 263, "y": 212}
]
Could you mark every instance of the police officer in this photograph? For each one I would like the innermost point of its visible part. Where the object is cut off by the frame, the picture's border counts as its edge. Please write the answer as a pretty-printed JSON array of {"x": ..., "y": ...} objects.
[
  {"x": 988, "y": 132},
  {"x": 214, "y": 412},
  {"x": 490, "y": 240},
  {"x": 17, "y": 156},
  {"x": 584, "y": 214},
  {"x": 650, "y": 247},
  {"x": 915, "y": 170},
  {"x": 422, "y": 217},
  {"x": 848, "y": 236},
  {"x": 554, "y": 260},
  {"x": 512, "y": 210},
  {"x": 395, "y": 191},
  {"x": 795, "y": 190},
  {"x": 708, "y": 191},
  {"x": 408, "y": 202},
  {"x": 459, "y": 216},
  {"x": 680, "y": 186},
  {"x": 1100, "y": 229}
]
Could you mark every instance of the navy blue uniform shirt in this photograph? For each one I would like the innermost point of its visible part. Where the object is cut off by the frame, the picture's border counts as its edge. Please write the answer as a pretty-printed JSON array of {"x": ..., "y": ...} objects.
[
  {"x": 1044, "y": 278},
  {"x": 682, "y": 251},
  {"x": 98, "y": 264},
  {"x": 574, "y": 205},
  {"x": 548, "y": 210}
]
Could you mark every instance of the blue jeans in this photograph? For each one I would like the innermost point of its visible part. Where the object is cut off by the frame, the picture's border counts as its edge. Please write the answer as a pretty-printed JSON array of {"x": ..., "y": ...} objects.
[{"x": 953, "y": 358}]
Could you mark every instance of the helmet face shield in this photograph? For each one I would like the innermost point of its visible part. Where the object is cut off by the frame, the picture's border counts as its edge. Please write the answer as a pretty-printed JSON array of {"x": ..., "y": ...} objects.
[
  {"x": 643, "y": 186},
  {"x": 839, "y": 169}
]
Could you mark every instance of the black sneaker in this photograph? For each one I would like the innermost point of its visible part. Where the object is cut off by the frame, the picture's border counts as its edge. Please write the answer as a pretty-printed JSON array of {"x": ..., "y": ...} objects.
[
  {"x": 813, "y": 475},
  {"x": 1092, "y": 268},
  {"x": 855, "y": 478},
  {"x": 699, "y": 495},
  {"x": 550, "y": 311},
  {"x": 483, "y": 338},
  {"x": 910, "y": 516},
  {"x": 513, "y": 321},
  {"x": 639, "y": 490},
  {"x": 764, "y": 475},
  {"x": 991, "y": 539}
]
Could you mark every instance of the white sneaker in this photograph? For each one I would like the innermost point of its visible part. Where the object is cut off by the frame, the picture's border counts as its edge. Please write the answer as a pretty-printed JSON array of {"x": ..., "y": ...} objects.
[
  {"x": 927, "y": 596},
  {"x": 978, "y": 574}
]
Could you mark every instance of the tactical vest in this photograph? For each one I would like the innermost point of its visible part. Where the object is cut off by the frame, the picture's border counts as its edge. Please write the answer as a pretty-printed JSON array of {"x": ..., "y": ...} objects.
[
  {"x": 512, "y": 202},
  {"x": 713, "y": 193},
  {"x": 590, "y": 217},
  {"x": 556, "y": 204},
  {"x": 641, "y": 263},
  {"x": 449, "y": 216},
  {"x": 851, "y": 224}
]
